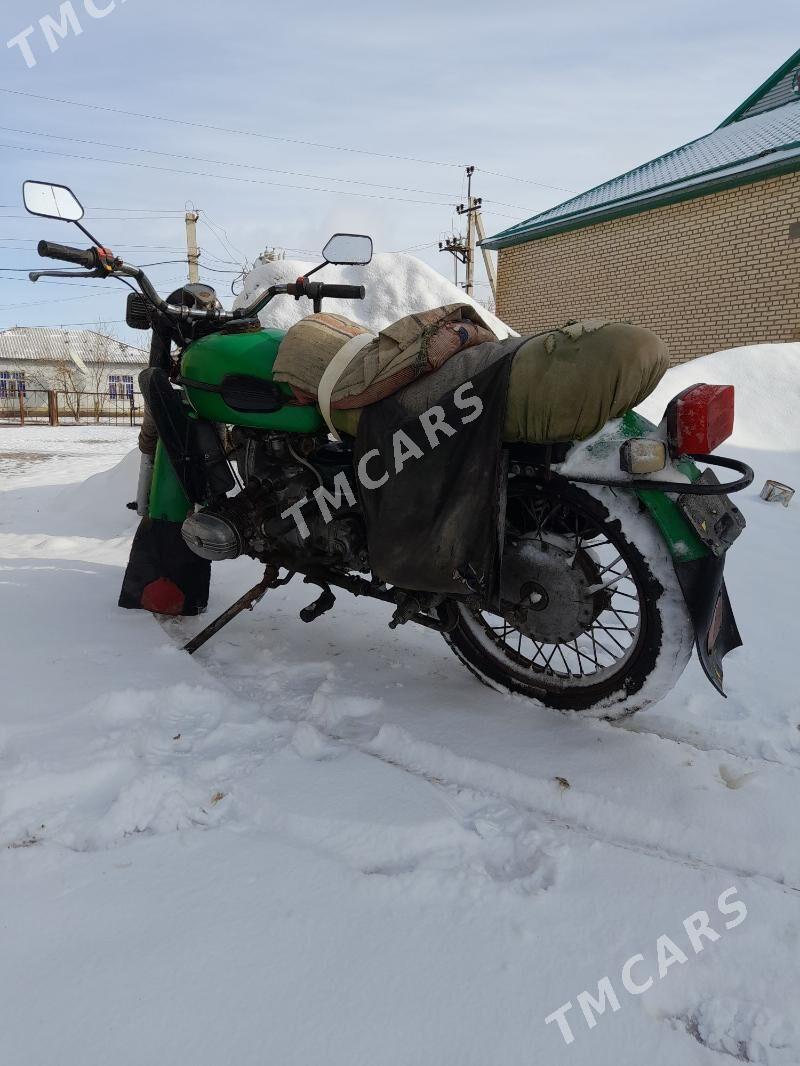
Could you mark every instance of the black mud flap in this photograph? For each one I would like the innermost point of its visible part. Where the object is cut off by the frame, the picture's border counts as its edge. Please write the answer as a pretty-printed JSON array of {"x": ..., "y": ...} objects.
[
  {"x": 716, "y": 632},
  {"x": 163, "y": 575}
]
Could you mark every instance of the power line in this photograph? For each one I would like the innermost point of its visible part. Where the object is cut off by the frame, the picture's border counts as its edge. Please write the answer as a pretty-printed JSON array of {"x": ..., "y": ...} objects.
[
  {"x": 148, "y": 210},
  {"x": 262, "y": 136},
  {"x": 68, "y": 325},
  {"x": 222, "y": 162},
  {"x": 525, "y": 181},
  {"x": 225, "y": 129},
  {"x": 224, "y": 240},
  {"x": 140, "y": 218},
  {"x": 63, "y": 300},
  {"x": 219, "y": 177}
]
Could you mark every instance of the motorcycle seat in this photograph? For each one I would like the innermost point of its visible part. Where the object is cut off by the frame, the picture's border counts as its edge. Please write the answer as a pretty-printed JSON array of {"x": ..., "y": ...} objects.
[{"x": 567, "y": 383}]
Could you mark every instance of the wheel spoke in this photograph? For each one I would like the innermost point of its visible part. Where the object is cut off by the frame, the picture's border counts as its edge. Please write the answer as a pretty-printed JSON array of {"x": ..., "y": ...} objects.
[{"x": 579, "y": 543}]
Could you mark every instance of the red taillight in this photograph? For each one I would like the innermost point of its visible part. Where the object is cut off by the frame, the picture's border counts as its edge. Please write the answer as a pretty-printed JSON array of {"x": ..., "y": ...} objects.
[{"x": 700, "y": 419}]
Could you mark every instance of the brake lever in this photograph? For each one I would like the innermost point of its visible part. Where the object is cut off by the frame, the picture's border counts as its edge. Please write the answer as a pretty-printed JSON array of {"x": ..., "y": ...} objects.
[{"x": 34, "y": 275}]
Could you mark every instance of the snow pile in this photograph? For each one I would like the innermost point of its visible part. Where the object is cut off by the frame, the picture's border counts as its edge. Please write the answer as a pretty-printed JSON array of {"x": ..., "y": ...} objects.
[
  {"x": 767, "y": 381},
  {"x": 397, "y": 285},
  {"x": 100, "y": 503}
]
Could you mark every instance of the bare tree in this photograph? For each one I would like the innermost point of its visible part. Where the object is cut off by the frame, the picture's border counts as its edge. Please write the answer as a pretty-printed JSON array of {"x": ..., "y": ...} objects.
[
  {"x": 102, "y": 349},
  {"x": 82, "y": 382}
]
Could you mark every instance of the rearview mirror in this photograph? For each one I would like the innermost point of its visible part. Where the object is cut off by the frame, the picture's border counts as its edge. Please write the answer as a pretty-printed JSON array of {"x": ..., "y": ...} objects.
[
  {"x": 348, "y": 249},
  {"x": 51, "y": 201}
]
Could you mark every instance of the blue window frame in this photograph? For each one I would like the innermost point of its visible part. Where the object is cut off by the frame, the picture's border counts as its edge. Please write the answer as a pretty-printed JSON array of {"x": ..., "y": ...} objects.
[
  {"x": 12, "y": 383},
  {"x": 120, "y": 386}
]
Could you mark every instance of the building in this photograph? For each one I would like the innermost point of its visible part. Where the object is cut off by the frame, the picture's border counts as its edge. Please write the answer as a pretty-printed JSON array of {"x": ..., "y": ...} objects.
[
  {"x": 702, "y": 244},
  {"x": 35, "y": 360}
]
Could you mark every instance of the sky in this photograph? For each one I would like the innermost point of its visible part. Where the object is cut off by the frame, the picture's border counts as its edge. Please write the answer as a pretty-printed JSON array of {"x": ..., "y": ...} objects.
[{"x": 293, "y": 123}]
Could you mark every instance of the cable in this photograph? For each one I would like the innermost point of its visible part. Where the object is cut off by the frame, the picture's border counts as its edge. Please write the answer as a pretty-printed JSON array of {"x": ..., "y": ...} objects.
[
  {"x": 220, "y": 177},
  {"x": 216, "y": 270},
  {"x": 63, "y": 300},
  {"x": 223, "y": 241},
  {"x": 415, "y": 248},
  {"x": 224, "y": 129},
  {"x": 221, "y": 162},
  {"x": 68, "y": 325},
  {"x": 512, "y": 177},
  {"x": 270, "y": 137},
  {"x": 140, "y": 218}
]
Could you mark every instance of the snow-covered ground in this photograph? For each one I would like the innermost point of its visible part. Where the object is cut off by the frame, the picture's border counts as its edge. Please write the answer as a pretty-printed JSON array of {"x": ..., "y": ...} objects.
[{"x": 330, "y": 844}]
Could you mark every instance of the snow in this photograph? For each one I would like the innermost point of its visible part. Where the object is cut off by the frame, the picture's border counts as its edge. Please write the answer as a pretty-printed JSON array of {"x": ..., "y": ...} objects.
[
  {"x": 396, "y": 285},
  {"x": 329, "y": 843},
  {"x": 767, "y": 382}
]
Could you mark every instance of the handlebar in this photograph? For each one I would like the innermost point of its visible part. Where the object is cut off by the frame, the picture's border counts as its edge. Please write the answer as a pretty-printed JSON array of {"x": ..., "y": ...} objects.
[
  {"x": 319, "y": 290},
  {"x": 343, "y": 292},
  {"x": 98, "y": 262},
  {"x": 88, "y": 258}
]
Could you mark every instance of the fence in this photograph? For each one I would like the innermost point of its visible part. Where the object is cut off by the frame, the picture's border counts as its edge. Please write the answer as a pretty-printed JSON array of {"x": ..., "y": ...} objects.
[{"x": 36, "y": 406}]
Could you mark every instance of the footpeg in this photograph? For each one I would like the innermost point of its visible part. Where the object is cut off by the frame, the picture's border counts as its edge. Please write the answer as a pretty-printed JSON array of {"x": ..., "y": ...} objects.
[
  {"x": 409, "y": 608},
  {"x": 318, "y": 607}
]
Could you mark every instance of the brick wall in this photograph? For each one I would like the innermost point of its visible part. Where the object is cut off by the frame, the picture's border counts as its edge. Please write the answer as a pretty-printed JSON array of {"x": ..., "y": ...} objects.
[{"x": 711, "y": 273}]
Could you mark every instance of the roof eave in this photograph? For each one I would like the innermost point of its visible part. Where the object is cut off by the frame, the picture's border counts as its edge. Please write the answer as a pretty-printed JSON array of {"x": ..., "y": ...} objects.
[{"x": 636, "y": 207}]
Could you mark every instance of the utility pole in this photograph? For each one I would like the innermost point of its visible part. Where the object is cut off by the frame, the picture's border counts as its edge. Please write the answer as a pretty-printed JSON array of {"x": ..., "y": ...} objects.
[
  {"x": 472, "y": 209},
  {"x": 456, "y": 247},
  {"x": 488, "y": 262},
  {"x": 192, "y": 251},
  {"x": 469, "y": 209}
]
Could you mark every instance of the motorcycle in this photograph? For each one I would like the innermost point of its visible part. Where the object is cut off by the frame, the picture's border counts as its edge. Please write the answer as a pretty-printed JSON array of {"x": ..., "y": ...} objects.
[{"x": 613, "y": 549}]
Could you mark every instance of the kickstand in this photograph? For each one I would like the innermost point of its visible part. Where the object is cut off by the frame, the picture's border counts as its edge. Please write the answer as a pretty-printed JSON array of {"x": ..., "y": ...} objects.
[{"x": 244, "y": 603}]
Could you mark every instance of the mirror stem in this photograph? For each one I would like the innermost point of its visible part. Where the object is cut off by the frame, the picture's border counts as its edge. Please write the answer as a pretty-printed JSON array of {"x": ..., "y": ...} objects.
[{"x": 85, "y": 231}]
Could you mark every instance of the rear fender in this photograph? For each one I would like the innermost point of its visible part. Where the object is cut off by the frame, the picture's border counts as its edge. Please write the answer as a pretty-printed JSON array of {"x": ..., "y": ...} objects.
[{"x": 699, "y": 572}]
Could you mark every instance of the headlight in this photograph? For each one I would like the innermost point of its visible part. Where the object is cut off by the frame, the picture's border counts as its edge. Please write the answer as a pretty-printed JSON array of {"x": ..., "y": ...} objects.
[{"x": 641, "y": 455}]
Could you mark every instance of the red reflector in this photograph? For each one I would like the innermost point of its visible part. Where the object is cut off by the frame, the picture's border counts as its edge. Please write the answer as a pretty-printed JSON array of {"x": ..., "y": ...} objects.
[
  {"x": 163, "y": 597},
  {"x": 700, "y": 419}
]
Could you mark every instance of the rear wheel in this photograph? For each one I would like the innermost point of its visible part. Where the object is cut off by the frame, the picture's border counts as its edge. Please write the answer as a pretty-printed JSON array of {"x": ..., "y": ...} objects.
[{"x": 590, "y": 616}]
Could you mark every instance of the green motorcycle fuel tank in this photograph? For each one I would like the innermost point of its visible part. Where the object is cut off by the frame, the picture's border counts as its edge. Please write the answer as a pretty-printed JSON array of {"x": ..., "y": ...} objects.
[{"x": 227, "y": 377}]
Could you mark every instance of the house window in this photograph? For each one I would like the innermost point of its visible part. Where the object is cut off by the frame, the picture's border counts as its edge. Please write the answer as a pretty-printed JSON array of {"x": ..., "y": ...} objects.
[
  {"x": 12, "y": 383},
  {"x": 120, "y": 386}
]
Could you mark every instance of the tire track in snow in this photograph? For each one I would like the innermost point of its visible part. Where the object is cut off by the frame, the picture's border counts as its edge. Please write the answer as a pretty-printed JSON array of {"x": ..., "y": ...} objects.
[
  {"x": 527, "y": 794},
  {"x": 475, "y": 770},
  {"x": 631, "y": 725}
]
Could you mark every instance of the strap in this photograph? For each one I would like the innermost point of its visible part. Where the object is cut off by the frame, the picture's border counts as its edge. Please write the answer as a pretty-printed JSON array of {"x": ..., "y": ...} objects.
[
  {"x": 487, "y": 322},
  {"x": 334, "y": 370}
]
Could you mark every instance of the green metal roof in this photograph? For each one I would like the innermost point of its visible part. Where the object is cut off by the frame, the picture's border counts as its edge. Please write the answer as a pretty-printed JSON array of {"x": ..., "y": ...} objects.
[
  {"x": 778, "y": 89},
  {"x": 760, "y": 139}
]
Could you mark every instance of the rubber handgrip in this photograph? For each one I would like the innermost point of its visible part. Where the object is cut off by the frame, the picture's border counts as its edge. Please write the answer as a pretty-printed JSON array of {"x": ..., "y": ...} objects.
[
  {"x": 343, "y": 292},
  {"x": 86, "y": 258}
]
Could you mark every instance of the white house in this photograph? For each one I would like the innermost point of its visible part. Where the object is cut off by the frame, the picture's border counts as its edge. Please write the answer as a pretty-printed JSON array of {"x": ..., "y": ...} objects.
[{"x": 35, "y": 359}]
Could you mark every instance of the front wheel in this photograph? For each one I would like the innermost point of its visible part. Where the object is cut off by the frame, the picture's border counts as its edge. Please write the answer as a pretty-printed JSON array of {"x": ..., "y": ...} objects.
[{"x": 589, "y": 615}]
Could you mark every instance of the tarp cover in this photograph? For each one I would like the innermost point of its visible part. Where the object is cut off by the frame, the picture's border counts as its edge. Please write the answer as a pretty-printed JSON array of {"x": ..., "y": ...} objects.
[
  {"x": 565, "y": 384},
  {"x": 433, "y": 524},
  {"x": 401, "y": 352}
]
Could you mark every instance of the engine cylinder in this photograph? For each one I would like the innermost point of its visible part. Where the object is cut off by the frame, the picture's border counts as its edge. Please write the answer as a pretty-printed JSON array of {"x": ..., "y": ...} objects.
[{"x": 211, "y": 536}]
